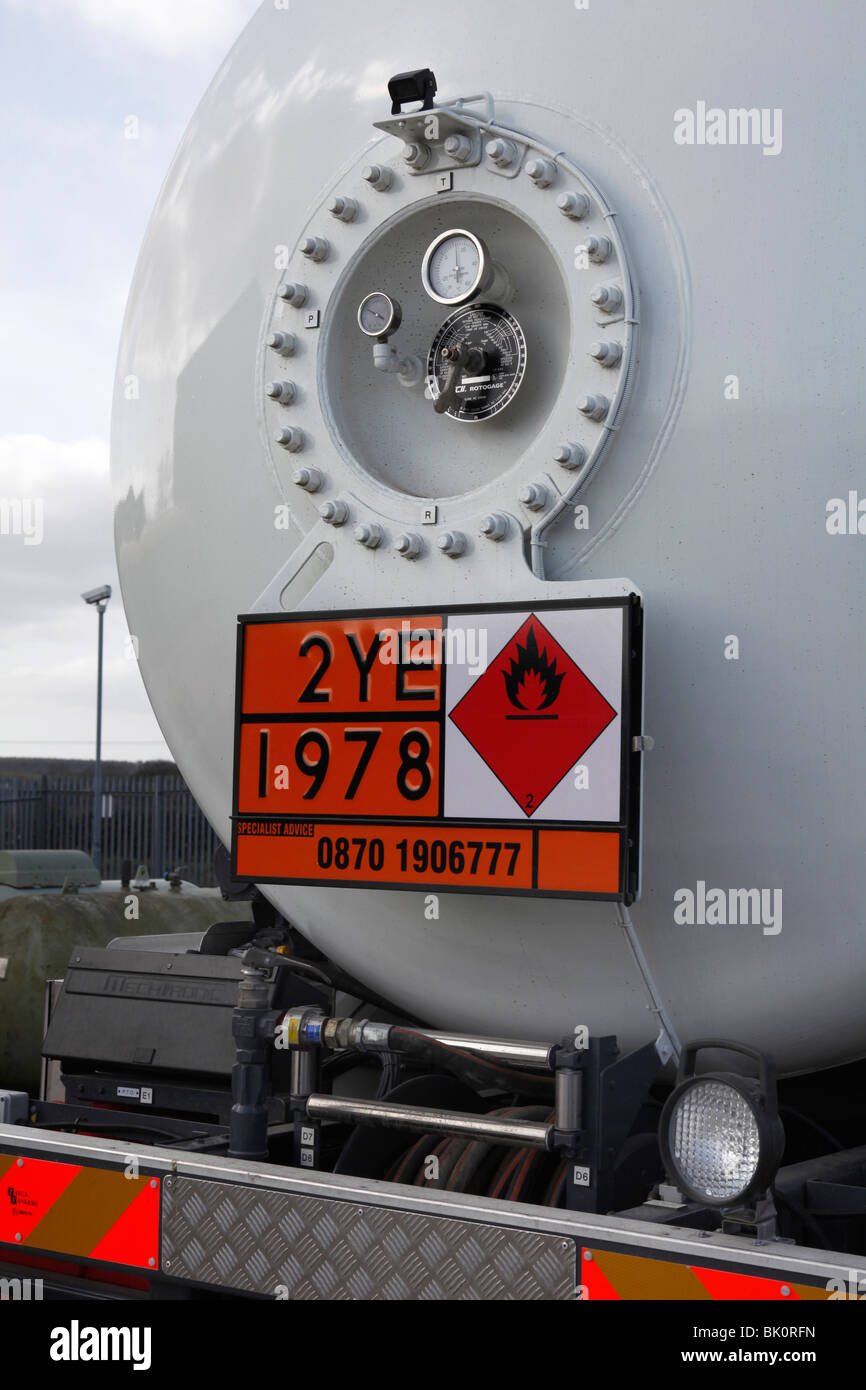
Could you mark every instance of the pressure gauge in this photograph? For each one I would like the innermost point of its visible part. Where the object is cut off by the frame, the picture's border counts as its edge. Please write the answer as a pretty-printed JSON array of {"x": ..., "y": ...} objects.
[
  {"x": 477, "y": 363},
  {"x": 379, "y": 315},
  {"x": 457, "y": 267}
]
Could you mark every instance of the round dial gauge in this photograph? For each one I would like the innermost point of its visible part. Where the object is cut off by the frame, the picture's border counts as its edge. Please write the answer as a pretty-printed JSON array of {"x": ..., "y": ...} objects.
[
  {"x": 456, "y": 267},
  {"x": 379, "y": 315},
  {"x": 489, "y": 388}
]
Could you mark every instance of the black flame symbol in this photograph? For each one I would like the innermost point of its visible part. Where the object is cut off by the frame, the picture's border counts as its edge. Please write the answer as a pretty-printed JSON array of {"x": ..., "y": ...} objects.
[{"x": 532, "y": 662}]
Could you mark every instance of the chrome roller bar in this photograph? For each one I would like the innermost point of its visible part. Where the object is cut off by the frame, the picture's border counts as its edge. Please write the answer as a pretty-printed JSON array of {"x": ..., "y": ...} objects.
[{"x": 520, "y": 1133}]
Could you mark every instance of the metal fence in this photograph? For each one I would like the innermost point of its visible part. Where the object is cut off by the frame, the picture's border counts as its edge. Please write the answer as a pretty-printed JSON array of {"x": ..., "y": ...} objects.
[{"x": 148, "y": 820}]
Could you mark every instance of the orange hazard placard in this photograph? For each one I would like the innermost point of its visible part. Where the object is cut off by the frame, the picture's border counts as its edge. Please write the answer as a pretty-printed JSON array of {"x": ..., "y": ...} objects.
[
  {"x": 339, "y": 769},
  {"x": 389, "y": 856},
  {"x": 395, "y": 749},
  {"x": 300, "y": 667},
  {"x": 91, "y": 1213},
  {"x": 590, "y": 857}
]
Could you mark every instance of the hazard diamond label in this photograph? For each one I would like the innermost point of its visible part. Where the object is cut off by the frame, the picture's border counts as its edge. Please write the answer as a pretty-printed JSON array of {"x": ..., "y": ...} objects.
[
  {"x": 532, "y": 715},
  {"x": 484, "y": 748}
]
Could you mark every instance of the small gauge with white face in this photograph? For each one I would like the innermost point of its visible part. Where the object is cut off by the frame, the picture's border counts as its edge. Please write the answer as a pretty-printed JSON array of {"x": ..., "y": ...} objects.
[
  {"x": 379, "y": 315},
  {"x": 456, "y": 268}
]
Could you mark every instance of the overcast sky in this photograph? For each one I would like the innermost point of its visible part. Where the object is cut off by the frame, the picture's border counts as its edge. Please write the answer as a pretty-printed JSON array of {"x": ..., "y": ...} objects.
[{"x": 76, "y": 196}]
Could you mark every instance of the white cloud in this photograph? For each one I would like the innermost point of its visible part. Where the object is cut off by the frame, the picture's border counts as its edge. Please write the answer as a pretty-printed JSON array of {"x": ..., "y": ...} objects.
[
  {"x": 167, "y": 28},
  {"x": 32, "y": 462}
]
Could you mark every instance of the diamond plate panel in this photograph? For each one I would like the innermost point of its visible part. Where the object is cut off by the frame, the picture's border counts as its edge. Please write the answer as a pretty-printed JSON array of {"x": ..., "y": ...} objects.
[{"x": 310, "y": 1248}]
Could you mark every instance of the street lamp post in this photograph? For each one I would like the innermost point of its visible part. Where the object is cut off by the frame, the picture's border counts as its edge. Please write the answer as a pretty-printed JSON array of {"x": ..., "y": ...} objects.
[{"x": 98, "y": 598}]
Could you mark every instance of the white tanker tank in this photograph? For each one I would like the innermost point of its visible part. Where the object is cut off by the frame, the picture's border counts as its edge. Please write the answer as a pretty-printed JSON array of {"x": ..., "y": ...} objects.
[{"x": 666, "y": 198}]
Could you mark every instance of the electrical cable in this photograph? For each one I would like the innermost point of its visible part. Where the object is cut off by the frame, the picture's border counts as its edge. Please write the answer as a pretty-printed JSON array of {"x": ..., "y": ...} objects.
[
  {"x": 438, "y": 1153},
  {"x": 404, "y": 1167},
  {"x": 531, "y": 1158},
  {"x": 813, "y": 1124},
  {"x": 461, "y": 1161},
  {"x": 99, "y": 1127},
  {"x": 390, "y": 1076},
  {"x": 519, "y": 1170},
  {"x": 477, "y": 1151},
  {"x": 518, "y": 1178},
  {"x": 334, "y": 978},
  {"x": 504, "y": 1172},
  {"x": 640, "y": 960},
  {"x": 554, "y": 1188},
  {"x": 805, "y": 1218}
]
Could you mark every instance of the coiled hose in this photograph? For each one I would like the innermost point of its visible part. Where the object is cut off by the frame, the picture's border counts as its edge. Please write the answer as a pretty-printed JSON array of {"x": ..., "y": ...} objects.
[{"x": 483, "y": 1167}]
